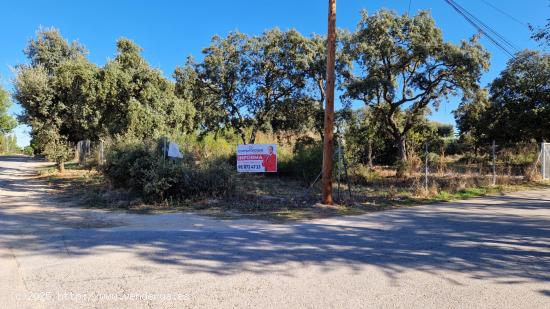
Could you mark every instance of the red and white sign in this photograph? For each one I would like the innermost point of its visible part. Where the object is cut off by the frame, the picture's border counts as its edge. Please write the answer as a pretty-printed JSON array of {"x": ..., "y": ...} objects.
[{"x": 257, "y": 158}]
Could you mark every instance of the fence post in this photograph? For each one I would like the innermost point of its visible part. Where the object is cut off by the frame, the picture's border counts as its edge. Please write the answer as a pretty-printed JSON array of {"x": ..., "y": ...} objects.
[
  {"x": 542, "y": 155},
  {"x": 494, "y": 165}
]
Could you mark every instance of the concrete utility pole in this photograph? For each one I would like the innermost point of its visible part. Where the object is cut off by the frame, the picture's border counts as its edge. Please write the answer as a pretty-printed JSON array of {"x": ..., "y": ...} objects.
[{"x": 329, "y": 105}]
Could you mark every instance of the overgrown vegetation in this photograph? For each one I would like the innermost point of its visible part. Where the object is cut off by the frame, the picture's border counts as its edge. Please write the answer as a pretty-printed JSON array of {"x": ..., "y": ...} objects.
[
  {"x": 8, "y": 143},
  {"x": 269, "y": 88},
  {"x": 144, "y": 169}
]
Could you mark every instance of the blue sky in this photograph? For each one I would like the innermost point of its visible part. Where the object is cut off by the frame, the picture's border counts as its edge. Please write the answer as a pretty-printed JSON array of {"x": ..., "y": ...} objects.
[{"x": 169, "y": 31}]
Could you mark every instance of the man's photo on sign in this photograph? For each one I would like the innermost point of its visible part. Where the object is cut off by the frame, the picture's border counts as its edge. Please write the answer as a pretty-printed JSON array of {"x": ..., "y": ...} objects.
[
  {"x": 257, "y": 158},
  {"x": 269, "y": 160}
]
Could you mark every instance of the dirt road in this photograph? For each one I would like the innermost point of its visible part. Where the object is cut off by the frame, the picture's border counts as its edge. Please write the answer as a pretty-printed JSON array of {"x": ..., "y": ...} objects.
[{"x": 489, "y": 252}]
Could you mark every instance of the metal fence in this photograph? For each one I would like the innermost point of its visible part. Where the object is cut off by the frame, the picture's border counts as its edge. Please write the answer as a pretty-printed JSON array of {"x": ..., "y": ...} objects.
[{"x": 495, "y": 164}]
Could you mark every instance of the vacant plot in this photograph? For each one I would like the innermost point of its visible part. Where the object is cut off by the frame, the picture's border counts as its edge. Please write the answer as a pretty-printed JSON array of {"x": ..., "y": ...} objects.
[{"x": 281, "y": 198}]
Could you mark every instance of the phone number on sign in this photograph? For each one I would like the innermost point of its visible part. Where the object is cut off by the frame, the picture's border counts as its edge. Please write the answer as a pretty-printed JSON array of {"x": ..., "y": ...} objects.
[{"x": 251, "y": 167}]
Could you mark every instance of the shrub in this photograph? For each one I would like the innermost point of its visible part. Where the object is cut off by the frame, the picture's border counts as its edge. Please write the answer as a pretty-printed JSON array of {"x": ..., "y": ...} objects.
[
  {"x": 143, "y": 169},
  {"x": 29, "y": 151},
  {"x": 305, "y": 163},
  {"x": 362, "y": 174},
  {"x": 204, "y": 180}
]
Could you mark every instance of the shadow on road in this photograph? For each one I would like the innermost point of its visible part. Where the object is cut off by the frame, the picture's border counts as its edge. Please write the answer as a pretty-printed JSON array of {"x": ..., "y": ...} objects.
[
  {"x": 500, "y": 244},
  {"x": 17, "y": 179}
]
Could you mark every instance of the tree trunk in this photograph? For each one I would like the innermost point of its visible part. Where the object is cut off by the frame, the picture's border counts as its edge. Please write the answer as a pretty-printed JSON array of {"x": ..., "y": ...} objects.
[
  {"x": 402, "y": 157},
  {"x": 243, "y": 136},
  {"x": 321, "y": 132},
  {"x": 253, "y": 136},
  {"x": 402, "y": 148},
  {"x": 61, "y": 167},
  {"x": 369, "y": 153}
]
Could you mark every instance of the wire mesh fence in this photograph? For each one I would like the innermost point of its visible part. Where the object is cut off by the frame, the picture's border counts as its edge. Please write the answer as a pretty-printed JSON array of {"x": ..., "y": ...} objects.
[{"x": 492, "y": 165}]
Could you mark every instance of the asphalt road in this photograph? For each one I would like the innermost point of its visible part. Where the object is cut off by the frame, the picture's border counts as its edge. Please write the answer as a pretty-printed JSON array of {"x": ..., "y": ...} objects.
[{"x": 489, "y": 252}]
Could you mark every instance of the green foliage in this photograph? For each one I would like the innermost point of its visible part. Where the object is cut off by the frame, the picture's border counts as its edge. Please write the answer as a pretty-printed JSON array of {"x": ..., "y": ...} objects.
[
  {"x": 366, "y": 139},
  {"x": 77, "y": 89},
  {"x": 141, "y": 168},
  {"x": 28, "y": 150},
  {"x": 7, "y": 122},
  {"x": 8, "y": 144},
  {"x": 66, "y": 96},
  {"x": 252, "y": 82},
  {"x": 522, "y": 154},
  {"x": 518, "y": 108},
  {"x": 363, "y": 174},
  {"x": 58, "y": 89},
  {"x": 49, "y": 50},
  {"x": 304, "y": 163},
  {"x": 470, "y": 119},
  {"x": 520, "y": 100},
  {"x": 54, "y": 91},
  {"x": 541, "y": 34},
  {"x": 56, "y": 147},
  {"x": 404, "y": 66},
  {"x": 442, "y": 130},
  {"x": 137, "y": 100},
  {"x": 210, "y": 145},
  {"x": 272, "y": 84}
]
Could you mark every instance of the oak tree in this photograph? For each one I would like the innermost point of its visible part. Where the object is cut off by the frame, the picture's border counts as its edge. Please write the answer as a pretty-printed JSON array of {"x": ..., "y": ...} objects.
[{"x": 403, "y": 66}]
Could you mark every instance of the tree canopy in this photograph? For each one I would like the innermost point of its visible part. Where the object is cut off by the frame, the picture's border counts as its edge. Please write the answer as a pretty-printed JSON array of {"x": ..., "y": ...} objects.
[
  {"x": 136, "y": 99},
  {"x": 66, "y": 98},
  {"x": 249, "y": 84},
  {"x": 518, "y": 106},
  {"x": 7, "y": 122},
  {"x": 404, "y": 67},
  {"x": 398, "y": 66}
]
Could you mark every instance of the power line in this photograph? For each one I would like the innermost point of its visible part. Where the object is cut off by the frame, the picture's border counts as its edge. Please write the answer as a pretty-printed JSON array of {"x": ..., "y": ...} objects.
[
  {"x": 505, "y": 13},
  {"x": 493, "y": 36},
  {"x": 502, "y": 38}
]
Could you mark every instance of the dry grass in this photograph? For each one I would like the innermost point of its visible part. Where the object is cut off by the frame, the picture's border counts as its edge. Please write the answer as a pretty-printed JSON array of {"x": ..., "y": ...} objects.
[{"x": 275, "y": 198}]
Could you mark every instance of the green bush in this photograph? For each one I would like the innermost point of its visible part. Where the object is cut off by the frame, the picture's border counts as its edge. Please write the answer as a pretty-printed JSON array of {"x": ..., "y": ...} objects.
[
  {"x": 204, "y": 180},
  {"x": 434, "y": 160},
  {"x": 362, "y": 174},
  {"x": 29, "y": 151},
  {"x": 305, "y": 163},
  {"x": 143, "y": 169}
]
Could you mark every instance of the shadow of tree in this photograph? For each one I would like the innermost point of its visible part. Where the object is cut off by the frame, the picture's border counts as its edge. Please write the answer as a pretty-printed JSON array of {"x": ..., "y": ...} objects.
[{"x": 485, "y": 242}]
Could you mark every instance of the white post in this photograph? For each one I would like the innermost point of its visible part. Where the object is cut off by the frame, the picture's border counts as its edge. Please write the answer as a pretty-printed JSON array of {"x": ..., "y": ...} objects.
[{"x": 543, "y": 155}]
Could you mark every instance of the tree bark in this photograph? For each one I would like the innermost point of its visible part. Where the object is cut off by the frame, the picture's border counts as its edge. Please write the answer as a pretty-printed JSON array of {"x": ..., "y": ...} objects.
[
  {"x": 61, "y": 167},
  {"x": 402, "y": 157},
  {"x": 329, "y": 106},
  {"x": 253, "y": 136},
  {"x": 369, "y": 153},
  {"x": 402, "y": 148}
]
